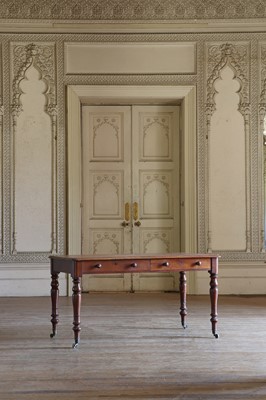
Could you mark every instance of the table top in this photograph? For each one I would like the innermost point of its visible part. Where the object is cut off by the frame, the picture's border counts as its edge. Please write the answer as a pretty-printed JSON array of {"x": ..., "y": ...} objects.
[{"x": 99, "y": 257}]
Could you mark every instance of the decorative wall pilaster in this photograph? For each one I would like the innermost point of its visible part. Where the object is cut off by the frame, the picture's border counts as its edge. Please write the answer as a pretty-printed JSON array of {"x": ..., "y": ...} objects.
[
  {"x": 262, "y": 134},
  {"x": 1, "y": 156}
]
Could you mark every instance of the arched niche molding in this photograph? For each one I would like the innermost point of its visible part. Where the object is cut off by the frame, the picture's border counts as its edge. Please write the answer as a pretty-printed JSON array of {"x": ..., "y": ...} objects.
[{"x": 185, "y": 96}]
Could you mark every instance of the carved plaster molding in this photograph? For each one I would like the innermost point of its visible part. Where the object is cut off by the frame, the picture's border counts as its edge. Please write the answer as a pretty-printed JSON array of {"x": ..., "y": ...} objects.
[
  {"x": 262, "y": 134},
  {"x": 262, "y": 102},
  {"x": 62, "y": 81},
  {"x": 132, "y": 10},
  {"x": 1, "y": 165},
  {"x": 236, "y": 56},
  {"x": 42, "y": 57},
  {"x": 1, "y": 159}
]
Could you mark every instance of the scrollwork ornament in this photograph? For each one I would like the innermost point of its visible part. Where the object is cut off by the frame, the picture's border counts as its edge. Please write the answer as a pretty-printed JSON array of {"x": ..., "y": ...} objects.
[
  {"x": 209, "y": 110},
  {"x": 15, "y": 112},
  {"x": 262, "y": 103},
  {"x": 236, "y": 56},
  {"x": 52, "y": 110},
  {"x": 42, "y": 58}
]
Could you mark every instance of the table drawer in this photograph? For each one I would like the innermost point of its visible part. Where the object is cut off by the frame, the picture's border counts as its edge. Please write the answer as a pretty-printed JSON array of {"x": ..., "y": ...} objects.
[
  {"x": 115, "y": 266},
  {"x": 184, "y": 264}
]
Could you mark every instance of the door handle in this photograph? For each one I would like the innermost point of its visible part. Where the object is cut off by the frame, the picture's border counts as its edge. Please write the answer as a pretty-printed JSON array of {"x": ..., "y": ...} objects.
[
  {"x": 124, "y": 224},
  {"x": 135, "y": 211},
  {"x": 137, "y": 223},
  {"x": 127, "y": 212}
]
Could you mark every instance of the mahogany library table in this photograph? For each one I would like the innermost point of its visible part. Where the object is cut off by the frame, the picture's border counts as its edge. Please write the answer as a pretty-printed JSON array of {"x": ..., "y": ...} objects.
[{"x": 77, "y": 266}]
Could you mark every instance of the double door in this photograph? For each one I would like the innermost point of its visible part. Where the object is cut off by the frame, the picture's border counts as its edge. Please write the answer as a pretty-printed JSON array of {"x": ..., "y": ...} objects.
[{"x": 130, "y": 189}]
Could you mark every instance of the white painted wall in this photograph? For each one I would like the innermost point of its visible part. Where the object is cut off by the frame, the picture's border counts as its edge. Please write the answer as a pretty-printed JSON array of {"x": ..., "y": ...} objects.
[{"x": 225, "y": 207}]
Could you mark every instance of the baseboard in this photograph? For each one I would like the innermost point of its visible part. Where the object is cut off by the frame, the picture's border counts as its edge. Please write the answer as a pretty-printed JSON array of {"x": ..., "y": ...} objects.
[
  {"x": 239, "y": 278},
  {"x": 28, "y": 280}
]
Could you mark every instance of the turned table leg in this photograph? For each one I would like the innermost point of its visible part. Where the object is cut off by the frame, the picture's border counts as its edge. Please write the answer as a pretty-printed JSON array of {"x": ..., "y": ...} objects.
[
  {"x": 183, "y": 297},
  {"x": 76, "y": 301},
  {"x": 54, "y": 300},
  {"x": 214, "y": 301}
]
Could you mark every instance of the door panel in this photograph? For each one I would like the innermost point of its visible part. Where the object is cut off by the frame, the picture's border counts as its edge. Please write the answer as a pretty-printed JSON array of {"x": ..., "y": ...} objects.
[
  {"x": 130, "y": 181},
  {"x": 155, "y": 188},
  {"x": 107, "y": 188}
]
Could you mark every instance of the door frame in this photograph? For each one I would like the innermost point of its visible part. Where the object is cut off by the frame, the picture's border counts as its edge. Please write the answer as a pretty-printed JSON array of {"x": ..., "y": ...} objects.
[{"x": 185, "y": 96}]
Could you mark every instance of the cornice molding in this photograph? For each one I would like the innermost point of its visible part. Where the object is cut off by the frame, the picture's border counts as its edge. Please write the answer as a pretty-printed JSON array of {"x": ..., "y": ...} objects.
[
  {"x": 128, "y": 15},
  {"x": 103, "y": 27},
  {"x": 129, "y": 10}
]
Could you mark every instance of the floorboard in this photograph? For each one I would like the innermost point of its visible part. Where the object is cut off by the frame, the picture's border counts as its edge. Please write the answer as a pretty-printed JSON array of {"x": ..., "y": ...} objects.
[{"x": 133, "y": 347}]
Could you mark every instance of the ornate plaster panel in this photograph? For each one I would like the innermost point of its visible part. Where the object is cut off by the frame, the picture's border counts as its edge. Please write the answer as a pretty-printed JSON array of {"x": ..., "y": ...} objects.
[
  {"x": 132, "y": 10},
  {"x": 237, "y": 56},
  {"x": 41, "y": 57},
  {"x": 61, "y": 80}
]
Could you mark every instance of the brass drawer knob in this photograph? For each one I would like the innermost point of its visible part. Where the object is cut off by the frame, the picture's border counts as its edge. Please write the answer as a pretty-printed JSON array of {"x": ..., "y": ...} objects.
[
  {"x": 134, "y": 265},
  {"x": 98, "y": 266},
  {"x": 198, "y": 263},
  {"x": 166, "y": 264}
]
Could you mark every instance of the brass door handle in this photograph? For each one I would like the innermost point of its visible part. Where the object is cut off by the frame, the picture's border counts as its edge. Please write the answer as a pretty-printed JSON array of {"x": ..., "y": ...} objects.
[
  {"x": 135, "y": 211},
  {"x": 127, "y": 211},
  {"x": 124, "y": 224},
  {"x": 137, "y": 223}
]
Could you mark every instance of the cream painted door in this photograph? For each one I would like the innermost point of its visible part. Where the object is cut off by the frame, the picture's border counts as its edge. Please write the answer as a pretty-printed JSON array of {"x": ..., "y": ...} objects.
[
  {"x": 130, "y": 189},
  {"x": 155, "y": 189}
]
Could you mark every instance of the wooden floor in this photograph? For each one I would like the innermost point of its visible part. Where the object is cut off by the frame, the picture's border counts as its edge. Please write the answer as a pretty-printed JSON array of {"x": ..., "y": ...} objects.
[{"x": 133, "y": 347}]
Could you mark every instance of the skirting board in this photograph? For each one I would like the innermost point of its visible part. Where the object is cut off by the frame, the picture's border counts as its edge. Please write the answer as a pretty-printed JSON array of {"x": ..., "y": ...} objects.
[
  {"x": 28, "y": 280},
  {"x": 241, "y": 278}
]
